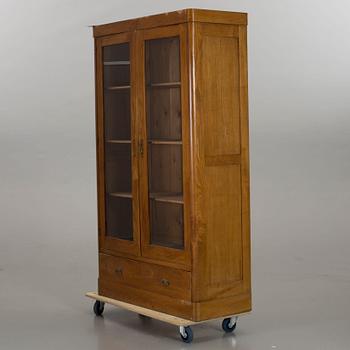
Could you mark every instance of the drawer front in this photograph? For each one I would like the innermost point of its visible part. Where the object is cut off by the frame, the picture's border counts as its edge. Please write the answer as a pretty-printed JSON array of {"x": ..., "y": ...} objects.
[{"x": 154, "y": 278}]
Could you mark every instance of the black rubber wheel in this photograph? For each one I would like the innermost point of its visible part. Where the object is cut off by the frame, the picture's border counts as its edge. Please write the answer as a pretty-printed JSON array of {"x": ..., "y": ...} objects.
[
  {"x": 98, "y": 308},
  {"x": 226, "y": 325},
  {"x": 188, "y": 335}
]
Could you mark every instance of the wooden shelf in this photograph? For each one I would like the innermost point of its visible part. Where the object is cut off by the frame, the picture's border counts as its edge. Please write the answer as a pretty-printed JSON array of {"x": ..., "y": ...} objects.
[
  {"x": 168, "y": 84},
  {"x": 167, "y": 244},
  {"x": 164, "y": 142},
  {"x": 167, "y": 197},
  {"x": 116, "y": 63},
  {"x": 117, "y": 234},
  {"x": 121, "y": 194},
  {"x": 119, "y": 141},
  {"x": 120, "y": 87}
]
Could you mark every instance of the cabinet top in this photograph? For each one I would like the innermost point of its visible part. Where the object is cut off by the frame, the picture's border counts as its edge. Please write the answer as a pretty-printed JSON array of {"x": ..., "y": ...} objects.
[{"x": 169, "y": 18}]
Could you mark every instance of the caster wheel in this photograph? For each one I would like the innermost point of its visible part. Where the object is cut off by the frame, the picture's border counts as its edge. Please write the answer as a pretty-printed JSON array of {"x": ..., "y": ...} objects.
[
  {"x": 229, "y": 324},
  {"x": 98, "y": 308},
  {"x": 186, "y": 334}
]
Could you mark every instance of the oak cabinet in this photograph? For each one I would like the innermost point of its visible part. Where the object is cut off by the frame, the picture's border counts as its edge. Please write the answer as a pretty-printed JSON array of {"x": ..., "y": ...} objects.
[{"x": 173, "y": 163}]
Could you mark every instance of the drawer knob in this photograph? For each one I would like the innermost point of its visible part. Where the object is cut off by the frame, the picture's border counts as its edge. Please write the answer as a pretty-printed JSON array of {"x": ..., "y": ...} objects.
[
  {"x": 165, "y": 282},
  {"x": 119, "y": 270}
]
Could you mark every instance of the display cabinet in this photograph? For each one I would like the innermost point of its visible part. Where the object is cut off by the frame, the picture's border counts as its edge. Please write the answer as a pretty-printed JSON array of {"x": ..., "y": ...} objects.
[{"x": 173, "y": 165}]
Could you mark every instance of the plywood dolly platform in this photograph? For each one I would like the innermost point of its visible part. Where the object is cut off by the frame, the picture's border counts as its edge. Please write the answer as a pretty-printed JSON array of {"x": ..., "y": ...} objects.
[{"x": 186, "y": 334}]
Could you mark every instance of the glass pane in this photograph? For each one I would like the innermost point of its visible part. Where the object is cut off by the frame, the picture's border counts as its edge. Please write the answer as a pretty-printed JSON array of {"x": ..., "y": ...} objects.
[
  {"x": 164, "y": 113},
  {"x": 167, "y": 224},
  {"x": 163, "y": 108},
  {"x": 117, "y": 168},
  {"x": 117, "y": 121},
  {"x": 165, "y": 168},
  {"x": 119, "y": 214}
]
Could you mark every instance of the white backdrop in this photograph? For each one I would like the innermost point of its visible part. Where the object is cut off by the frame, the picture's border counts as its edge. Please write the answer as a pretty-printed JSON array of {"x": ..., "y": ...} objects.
[{"x": 299, "y": 84}]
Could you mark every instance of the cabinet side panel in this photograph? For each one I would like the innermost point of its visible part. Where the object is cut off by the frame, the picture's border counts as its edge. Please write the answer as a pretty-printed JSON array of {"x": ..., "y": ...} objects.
[{"x": 221, "y": 253}]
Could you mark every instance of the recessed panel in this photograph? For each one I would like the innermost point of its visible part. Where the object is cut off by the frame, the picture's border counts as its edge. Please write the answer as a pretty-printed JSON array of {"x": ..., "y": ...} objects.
[
  {"x": 220, "y": 95},
  {"x": 223, "y": 203}
]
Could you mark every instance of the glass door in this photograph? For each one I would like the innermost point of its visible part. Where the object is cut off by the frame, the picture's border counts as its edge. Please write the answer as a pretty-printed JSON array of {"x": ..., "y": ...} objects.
[
  {"x": 165, "y": 141},
  {"x": 120, "y": 194}
]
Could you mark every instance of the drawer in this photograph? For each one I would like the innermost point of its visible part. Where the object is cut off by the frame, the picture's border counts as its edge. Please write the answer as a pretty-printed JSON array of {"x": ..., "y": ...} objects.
[{"x": 154, "y": 278}]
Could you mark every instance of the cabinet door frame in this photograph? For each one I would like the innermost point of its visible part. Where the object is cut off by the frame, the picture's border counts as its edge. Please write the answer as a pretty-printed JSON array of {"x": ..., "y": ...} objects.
[
  {"x": 107, "y": 243},
  {"x": 179, "y": 257}
]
